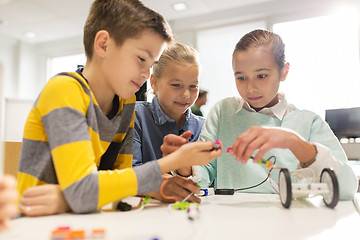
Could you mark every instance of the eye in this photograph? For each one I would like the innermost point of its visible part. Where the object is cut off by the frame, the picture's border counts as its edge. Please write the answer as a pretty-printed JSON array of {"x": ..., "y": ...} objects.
[
  {"x": 241, "y": 78},
  {"x": 141, "y": 59},
  {"x": 193, "y": 86},
  {"x": 262, "y": 76},
  {"x": 176, "y": 85}
]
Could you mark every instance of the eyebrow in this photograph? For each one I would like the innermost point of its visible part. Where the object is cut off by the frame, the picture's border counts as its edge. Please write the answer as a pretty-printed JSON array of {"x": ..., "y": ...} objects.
[
  {"x": 148, "y": 52},
  {"x": 257, "y": 70}
]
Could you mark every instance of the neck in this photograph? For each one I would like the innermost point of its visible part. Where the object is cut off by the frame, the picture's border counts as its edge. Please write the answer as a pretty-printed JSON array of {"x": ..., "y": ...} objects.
[{"x": 102, "y": 93}]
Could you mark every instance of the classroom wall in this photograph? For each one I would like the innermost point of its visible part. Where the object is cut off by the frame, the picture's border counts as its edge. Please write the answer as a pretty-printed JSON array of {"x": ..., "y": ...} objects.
[{"x": 24, "y": 65}]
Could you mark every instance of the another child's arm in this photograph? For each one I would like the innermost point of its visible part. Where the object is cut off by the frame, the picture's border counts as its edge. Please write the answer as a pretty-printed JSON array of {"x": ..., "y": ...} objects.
[
  {"x": 8, "y": 196},
  {"x": 43, "y": 200},
  {"x": 264, "y": 139},
  {"x": 171, "y": 143},
  {"x": 178, "y": 187}
]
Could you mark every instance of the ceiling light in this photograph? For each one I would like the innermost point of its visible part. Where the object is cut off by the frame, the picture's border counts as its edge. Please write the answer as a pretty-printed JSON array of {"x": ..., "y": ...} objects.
[
  {"x": 180, "y": 6},
  {"x": 3, "y": 2},
  {"x": 29, "y": 35}
]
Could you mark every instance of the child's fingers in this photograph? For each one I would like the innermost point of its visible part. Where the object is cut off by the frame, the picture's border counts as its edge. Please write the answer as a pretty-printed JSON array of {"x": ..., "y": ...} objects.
[
  {"x": 41, "y": 190},
  {"x": 36, "y": 210},
  {"x": 8, "y": 195},
  {"x": 8, "y": 210},
  {"x": 8, "y": 181},
  {"x": 4, "y": 223},
  {"x": 172, "y": 139},
  {"x": 186, "y": 135}
]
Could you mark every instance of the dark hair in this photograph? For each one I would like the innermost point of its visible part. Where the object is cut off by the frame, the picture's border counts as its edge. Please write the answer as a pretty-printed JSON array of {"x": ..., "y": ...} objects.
[
  {"x": 261, "y": 37},
  {"x": 122, "y": 19},
  {"x": 202, "y": 93}
]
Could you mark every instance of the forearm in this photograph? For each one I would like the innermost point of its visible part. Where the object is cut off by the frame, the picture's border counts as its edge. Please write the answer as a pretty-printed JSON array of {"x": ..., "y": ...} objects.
[
  {"x": 169, "y": 163},
  {"x": 303, "y": 150}
]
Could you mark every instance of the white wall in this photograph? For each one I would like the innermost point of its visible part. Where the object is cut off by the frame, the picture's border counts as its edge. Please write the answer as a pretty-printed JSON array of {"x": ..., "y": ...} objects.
[
  {"x": 1, "y": 129},
  {"x": 24, "y": 65}
]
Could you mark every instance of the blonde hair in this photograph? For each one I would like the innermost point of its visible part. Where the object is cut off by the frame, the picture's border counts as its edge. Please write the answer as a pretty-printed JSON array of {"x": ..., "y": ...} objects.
[{"x": 176, "y": 53}]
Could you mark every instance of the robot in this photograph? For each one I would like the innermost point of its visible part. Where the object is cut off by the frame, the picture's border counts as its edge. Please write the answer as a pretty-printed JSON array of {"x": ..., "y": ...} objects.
[{"x": 302, "y": 183}]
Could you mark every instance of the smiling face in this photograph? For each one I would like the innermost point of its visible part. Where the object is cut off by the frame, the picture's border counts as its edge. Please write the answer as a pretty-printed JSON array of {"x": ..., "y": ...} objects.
[
  {"x": 257, "y": 76},
  {"x": 177, "y": 88},
  {"x": 127, "y": 67}
]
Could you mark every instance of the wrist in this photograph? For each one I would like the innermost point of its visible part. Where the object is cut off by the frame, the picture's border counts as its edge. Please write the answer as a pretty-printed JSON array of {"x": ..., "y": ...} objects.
[{"x": 311, "y": 161}]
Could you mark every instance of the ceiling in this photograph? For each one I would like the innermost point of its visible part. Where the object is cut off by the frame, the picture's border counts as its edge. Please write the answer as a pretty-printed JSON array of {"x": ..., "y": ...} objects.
[{"x": 58, "y": 19}]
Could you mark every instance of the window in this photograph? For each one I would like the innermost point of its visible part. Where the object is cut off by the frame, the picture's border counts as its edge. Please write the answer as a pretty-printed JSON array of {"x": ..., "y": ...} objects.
[
  {"x": 67, "y": 63},
  {"x": 215, "y": 47},
  {"x": 324, "y": 61}
]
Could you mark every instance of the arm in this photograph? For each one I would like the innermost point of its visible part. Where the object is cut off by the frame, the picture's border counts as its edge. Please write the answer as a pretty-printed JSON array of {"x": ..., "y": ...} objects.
[
  {"x": 264, "y": 139},
  {"x": 43, "y": 200},
  {"x": 171, "y": 143},
  {"x": 137, "y": 149}
]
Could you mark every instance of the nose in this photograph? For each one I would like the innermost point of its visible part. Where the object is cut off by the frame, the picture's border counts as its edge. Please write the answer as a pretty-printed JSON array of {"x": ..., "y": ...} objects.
[
  {"x": 145, "y": 74},
  {"x": 186, "y": 94},
  {"x": 251, "y": 87}
]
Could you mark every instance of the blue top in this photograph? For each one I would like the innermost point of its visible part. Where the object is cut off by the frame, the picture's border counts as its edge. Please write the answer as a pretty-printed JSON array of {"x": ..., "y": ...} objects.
[{"x": 152, "y": 125}]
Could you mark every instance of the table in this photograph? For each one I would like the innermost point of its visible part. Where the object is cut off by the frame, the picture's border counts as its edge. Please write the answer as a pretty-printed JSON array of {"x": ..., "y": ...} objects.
[{"x": 240, "y": 216}]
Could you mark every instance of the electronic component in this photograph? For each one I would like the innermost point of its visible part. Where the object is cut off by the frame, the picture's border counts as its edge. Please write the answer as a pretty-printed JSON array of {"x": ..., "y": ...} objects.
[{"x": 224, "y": 191}]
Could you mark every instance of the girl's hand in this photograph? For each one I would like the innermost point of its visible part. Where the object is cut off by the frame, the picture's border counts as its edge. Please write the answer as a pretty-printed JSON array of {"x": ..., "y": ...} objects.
[
  {"x": 172, "y": 142},
  {"x": 177, "y": 188},
  {"x": 264, "y": 139},
  {"x": 43, "y": 200},
  {"x": 8, "y": 196}
]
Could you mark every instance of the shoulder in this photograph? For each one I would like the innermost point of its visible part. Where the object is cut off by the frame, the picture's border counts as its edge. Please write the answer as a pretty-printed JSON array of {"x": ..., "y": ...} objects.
[
  {"x": 307, "y": 114},
  {"x": 227, "y": 104},
  {"x": 141, "y": 105},
  {"x": 70, "y": 86},
  {"x": 197, "y": 118}
]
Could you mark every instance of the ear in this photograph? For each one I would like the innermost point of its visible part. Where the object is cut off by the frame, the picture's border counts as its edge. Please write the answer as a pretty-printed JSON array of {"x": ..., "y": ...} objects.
[
  {"x": 101, "y": 42},
  {"x": 285, "y": 71},
  {"x": 154, "y": 82}
]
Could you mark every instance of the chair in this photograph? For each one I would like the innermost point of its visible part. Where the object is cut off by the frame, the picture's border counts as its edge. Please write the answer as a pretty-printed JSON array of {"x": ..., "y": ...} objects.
[{"x": 12, "y": 152}]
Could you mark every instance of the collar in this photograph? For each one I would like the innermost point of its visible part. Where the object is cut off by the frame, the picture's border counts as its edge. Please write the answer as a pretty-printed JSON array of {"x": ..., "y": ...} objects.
[
  {"x": 279, "y": 110},
  {"x": 160, "y": 117}
]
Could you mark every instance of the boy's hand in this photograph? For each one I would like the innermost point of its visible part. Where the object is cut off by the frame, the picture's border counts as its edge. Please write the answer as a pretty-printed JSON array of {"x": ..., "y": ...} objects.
[
  {"x": 43, "y": 200},
  {"x": 8, "y": 196},
  {"x": 173, "y": 142},
  {"x": 198, "y": 153}
]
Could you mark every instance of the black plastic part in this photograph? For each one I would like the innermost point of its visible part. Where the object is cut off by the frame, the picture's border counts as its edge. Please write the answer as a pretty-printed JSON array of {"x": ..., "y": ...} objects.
[
  {"x": 285, "y": 200},
  {"x": 335, "y": 189},
  {"x": 123, "y": 206},
  {"x": 224, "y": 191}
]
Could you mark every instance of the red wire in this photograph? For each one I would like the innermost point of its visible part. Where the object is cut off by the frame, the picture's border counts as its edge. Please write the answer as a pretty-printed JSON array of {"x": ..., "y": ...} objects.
[
  {"x": 270, "y": 179},
  {"x": 162, "y": 191}
]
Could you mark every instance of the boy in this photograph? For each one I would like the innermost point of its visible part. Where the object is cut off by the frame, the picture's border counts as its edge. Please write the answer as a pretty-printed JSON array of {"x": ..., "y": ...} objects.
[{"x": 82, "y": 122}]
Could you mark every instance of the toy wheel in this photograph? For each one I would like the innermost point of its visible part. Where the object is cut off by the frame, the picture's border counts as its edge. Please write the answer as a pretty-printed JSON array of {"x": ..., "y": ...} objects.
[
  {"x": 328, "y": 176},
  {"x": 285, "y": 187}
]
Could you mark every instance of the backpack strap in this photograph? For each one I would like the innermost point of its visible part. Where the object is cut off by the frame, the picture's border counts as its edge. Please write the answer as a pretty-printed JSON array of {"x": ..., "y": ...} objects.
[{"x": 109, "y": 157}]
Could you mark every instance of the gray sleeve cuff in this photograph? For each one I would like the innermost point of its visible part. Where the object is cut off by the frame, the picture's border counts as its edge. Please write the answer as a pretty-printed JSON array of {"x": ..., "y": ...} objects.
[{"x": 148, "y": 177}]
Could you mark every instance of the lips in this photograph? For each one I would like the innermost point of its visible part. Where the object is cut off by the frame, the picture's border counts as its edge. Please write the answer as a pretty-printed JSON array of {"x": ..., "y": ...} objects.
[
  {"x": 254, "y": 98},
  {"x": 137, "y": 84},
  {"x": 182, "y": 104}
]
